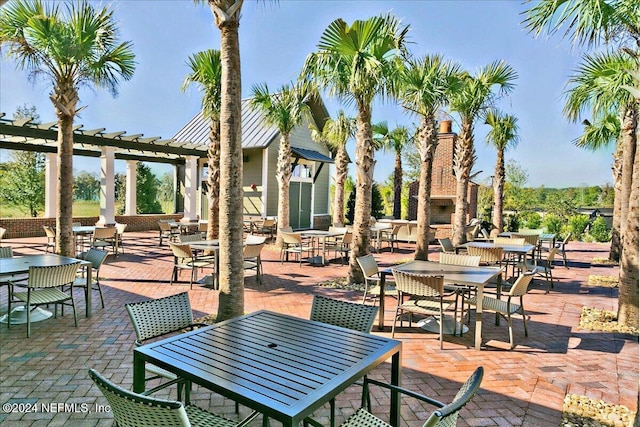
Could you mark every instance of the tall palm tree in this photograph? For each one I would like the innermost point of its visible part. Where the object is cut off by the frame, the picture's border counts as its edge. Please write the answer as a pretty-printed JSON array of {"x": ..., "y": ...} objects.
[
  {"x": 284, "y": 109},
  {"x": 231, "y": 268},
  {"x": 206, "y": 71},
  {"x": 616, "y": 23},
  {"x": 393, "y": 140},
  {"x": 335, "y": 135},
  {"x": 502, "y": 136},
  {"x": 33, "y": 32},
  {"x": 423, "y": 89},
  {"x": 471, "y": 97},
  {"x": 356, "y": 63},
  {"x": 597, "y": 87}
]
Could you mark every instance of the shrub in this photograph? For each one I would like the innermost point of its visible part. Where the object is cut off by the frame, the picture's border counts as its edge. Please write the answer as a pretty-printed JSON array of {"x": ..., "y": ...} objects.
[
  {"x": 377, "y": 205},
  {"x": 552, "y": 223},
  {"x": 599, "y": 230},
  {"x": 578, "y": 224},
  {"x": 513, "y": 222},
  {"x": 531, "y": 220}
]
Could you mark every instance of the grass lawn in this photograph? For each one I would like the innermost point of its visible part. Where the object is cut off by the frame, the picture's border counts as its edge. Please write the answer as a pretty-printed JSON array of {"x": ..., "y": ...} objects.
[{"x": 81, "y": 208}]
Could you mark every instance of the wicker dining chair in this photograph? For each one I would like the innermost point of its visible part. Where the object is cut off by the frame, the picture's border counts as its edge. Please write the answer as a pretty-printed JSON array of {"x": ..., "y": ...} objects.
[
  {"x": 371, "y": 272},
  {"x": 184, "y": 259},
  {"x": 459, "y": 291},
  {"x": 106, "y": 237},
  {"x": 139, "y": 410},
  {"x": 252, "y": 260},
  {"x": 51, "y": 238},
  {"x": 445, "y": 416},
  {"x": 96, "y": 257},
  {"x": 44, "y": 286}
]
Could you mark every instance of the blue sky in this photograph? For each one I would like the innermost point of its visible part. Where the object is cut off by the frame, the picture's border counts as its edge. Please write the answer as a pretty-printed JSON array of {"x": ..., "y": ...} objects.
[{"x": 275, "y": 38}]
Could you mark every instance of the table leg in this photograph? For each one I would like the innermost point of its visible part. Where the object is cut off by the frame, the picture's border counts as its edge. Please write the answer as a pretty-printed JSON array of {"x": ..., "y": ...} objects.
[
  {"x": 395, "y": 380},
  {"x": 383, "y": 279},
  {"x": 138, "y": 373},
  {"x": 88, "y": 299},
  {"x": 478, "y": 338}
]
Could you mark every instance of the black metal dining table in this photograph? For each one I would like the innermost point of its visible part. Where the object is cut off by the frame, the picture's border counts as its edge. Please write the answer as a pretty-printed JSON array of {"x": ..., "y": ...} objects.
[{"x": 282, "y": 366}]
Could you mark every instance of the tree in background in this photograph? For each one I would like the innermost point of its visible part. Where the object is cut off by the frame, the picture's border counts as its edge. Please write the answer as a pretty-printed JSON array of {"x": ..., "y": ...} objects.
[
  {"x": 357, "y": 63},
  {"x": 206, "y": 71},
  {"x": 502, "y": 136},
  {"x": 147, "y": 185},
  {"x": 22, "y": 182},
  {"x": 167, "y": 193},
  {"x": 86, "y": 186},
  {"x": 335, "y": 135},
  {"x": 516, "y": 177},
  {"x": 69, "y": 49}
]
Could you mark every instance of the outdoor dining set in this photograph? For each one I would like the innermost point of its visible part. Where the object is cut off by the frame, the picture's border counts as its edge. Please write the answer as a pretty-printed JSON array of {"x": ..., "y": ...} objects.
[{"x": 280, "y": 366}]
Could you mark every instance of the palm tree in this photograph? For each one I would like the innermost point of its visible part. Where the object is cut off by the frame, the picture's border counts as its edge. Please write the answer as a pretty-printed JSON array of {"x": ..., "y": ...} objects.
[
  {"x": 356, "y": 63},
  {"x": 502, "y": 135},
  {"x": 604, "y": 132},
  {"x": 206, "y": 71},
  {"x": 285, "y": 110},
  {"x": 393, "y": 140},
  {"x": 335, "y": 135},
  {"x": 423, "y": 90},
  {"x": 33, "y": 32},
  {"x": 598, "y": 85},
  {"x": 470, "y": 98},
  {"x": 231, "y": 267},
  {"x": 616, "y": 22}
]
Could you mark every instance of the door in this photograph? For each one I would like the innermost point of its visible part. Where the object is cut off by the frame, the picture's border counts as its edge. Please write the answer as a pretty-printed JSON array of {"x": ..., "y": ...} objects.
[{"x": 300, "y": 205}]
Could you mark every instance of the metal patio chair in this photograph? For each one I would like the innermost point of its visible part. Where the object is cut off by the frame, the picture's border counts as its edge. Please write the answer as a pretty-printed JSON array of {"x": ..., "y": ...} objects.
[{"x": 371, "y": 272}]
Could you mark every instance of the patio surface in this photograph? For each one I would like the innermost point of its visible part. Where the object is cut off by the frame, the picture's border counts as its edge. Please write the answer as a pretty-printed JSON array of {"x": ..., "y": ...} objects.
[{"x": 522, "y": 387}]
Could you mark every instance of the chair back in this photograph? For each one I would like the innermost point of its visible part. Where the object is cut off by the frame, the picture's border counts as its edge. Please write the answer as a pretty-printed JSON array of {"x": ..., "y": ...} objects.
[
  {"x": 564, "y": 242},
  {"x": 286, "y": 229},
  {"x": 521, "y": 284},
  {"x": 181, "y": 250},
  {"x": 508, "y": 241},
  {"x": 350, "y": 315},
  {"x": 551, "y": 256},
  {"x": 52, "y": 277},
  {"x": 130, "y": 409},
  {"x": 6, "y": 252},
  {"x": 251, "y": 251},
  {"x": 157, "y": 317},
  {"x": 460, "y": 259},
  {"x": 368, "y": 265},
  {"x": 203, "y": 227},
  {"x": 254, "y": 240},
  {"x": 422, "y": 285},
  {"x": 269, "y": 222},
  {"x": 104, "y": 233},
  {"x": 96, "y": 257},
  {"x": 447, "y": 416},
  {"x": 49, "y": 231},
  {"x": 76, "y": 224},
  {"x": 446, "y": 245},
  {"x": 195, "y": 237},
  {"x": 531, "y": 239},
  {"x": 291, "y": 238},
  {"x": 2, "y": 231},
  {"x": 347, "y": 238},
  {"x": 487, "y": 255},
  {"x": 120, "y": 228},
  {"x": 164, "y": 225}
]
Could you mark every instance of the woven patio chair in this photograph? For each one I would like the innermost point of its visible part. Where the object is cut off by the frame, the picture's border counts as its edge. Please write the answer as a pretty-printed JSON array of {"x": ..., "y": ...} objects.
[
  {"x": 167, "y": 231},
  {"x": 460, "y": 291},
  {"x": 446, "y": 245},
  {"x": 2, "y": 232},
  {"x": 51, "y": 238},
  {"x": 195, "y": 237},
  {"x": 292, "y": 243},
  {"x": 562, "y": 248},
  {"x": 350, "y": 315},
  {"x": 252, "y": 260},
  {"x": 371, "y": 272},
  {"x": 508, "y": 307},
  {"x": 131, "y": 409},
  {"x": 419, "y": 294},
  {"x": 391, "y": 236},
  {"x": 267, "y": 227},
  {"x": 97, "y": 258},
  {"x": 105, "y": 238},
  {"x": 120, "y": 229},
  {"x": 6, "y": 252},
  {"x": 252, "y": 239},
  {"x": 340, "y": 244},
  {"x": 509, "y": 241},
  {"x": 542, "y": 267},
  {"x": 184, "y": 259},
  {"x": 445, "y": 416},
  {"x": 44, "y": 286}
]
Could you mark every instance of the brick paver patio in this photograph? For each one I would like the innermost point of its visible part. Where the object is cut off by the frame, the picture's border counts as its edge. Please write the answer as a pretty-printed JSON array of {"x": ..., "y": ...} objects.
[{"x": 521, "y": 387}]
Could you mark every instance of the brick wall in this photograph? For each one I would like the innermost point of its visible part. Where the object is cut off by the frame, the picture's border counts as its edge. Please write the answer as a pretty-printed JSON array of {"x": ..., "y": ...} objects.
[{"x": 32, "y": 227}]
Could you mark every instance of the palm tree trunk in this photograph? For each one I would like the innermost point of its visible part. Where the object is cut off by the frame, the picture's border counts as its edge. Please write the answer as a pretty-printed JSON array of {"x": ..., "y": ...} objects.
[
  {"x": 498, "y": 193},
  {"x": 462, "y": 163},
  {"x": 628, "y": 293},
  {"x": 627, "y": 132},
  {"x": 428, "y": 143},
  {"x": 231, "y": 274},
  {"x": 364, "y": 182},
  {"x": 213, "y": 180},
  {"x": 616, "y": 244},
  {"x": 342, "y": 165},
  {"x": 397, "y": 186},
  {"x": 283, "y": 175}
]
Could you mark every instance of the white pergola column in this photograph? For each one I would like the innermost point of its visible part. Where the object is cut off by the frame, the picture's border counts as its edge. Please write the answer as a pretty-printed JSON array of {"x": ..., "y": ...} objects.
[
  {"x": 50, "y": 185},
  {"x": 130, "y": 201},
  {"x": 107, "y": 188},
  {"x": 190, "y": 189}
]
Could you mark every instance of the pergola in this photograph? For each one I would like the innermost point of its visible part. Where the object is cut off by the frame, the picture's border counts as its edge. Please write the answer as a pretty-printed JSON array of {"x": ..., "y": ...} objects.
[{"x": 24, "y": 135}]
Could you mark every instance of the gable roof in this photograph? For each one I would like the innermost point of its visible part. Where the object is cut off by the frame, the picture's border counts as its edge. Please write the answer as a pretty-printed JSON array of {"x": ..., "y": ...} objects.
[{"x": 255, "y": 132}]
